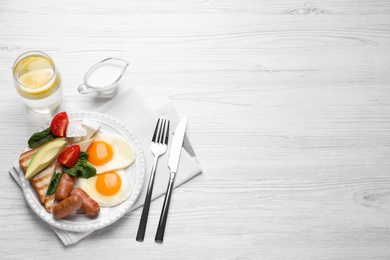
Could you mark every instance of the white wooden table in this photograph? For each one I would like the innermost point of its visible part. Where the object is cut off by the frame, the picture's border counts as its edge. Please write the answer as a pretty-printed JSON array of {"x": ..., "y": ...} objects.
[{"x": 288, "y": 105}]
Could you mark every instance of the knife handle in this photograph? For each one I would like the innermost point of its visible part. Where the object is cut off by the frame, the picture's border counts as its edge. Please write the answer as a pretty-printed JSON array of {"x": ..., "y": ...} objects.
[
  {"x": 145, "y": 210},
  {"x": 164, "y": 212}
]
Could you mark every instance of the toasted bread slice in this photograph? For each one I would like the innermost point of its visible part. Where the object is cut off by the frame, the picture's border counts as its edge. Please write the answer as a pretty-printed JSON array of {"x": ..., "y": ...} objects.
[
  {"x": 49, "y": 200},
  {"x": 41, "y": 181},
  {"x": 25, "y": 157}
]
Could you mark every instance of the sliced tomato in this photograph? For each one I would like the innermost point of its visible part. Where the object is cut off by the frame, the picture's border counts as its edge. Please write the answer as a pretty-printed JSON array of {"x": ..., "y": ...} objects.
[
  {"x": 69, "y": 156},
  {"x": 59, "y": 124}
]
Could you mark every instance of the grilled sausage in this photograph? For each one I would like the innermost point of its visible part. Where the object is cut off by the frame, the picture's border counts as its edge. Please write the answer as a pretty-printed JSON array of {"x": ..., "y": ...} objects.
[
  {"x": 90, "y": 206},
  {"x": 67, "y": 206},
  {"x": 65, "y": 187}
]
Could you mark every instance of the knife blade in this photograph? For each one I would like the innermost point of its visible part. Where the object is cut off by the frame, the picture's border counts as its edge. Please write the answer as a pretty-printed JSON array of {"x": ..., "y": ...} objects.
[
  {"x": 173, "y": 163},
  {"x": 177, "y": 143}
]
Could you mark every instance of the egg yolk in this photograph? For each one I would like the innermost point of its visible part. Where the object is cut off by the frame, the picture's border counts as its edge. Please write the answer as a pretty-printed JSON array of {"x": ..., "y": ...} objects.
[
  {"x": 99, "y": 153},
  {"x": 108, "y": 183}
]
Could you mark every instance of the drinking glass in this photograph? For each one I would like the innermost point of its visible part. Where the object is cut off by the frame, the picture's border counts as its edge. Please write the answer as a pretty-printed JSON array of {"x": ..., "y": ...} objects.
[{"x": 38, "y": 81}]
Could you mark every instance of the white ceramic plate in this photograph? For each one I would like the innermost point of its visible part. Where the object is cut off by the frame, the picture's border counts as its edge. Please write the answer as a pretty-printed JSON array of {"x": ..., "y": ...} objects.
[{"x": 78, "y": 221}]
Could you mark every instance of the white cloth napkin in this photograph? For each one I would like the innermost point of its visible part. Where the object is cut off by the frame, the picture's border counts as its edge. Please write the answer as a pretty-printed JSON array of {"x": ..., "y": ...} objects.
[{"x": 130, "y": 109}]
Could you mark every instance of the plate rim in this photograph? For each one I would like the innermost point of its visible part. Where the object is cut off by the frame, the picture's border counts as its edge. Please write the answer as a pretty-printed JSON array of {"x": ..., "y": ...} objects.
[{"x": 80, "y": 226}]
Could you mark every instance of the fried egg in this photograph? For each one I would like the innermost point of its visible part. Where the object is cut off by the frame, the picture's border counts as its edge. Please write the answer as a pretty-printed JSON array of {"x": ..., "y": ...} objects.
[
  {"x": 110, "y": 152},
  {"x": 109, "y": 188}
]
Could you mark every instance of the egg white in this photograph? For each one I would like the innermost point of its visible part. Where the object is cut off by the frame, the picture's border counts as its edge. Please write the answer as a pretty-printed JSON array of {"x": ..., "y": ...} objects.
[
  {"x": 89, "y": 186},
  {"x": 124, "y": 154}
]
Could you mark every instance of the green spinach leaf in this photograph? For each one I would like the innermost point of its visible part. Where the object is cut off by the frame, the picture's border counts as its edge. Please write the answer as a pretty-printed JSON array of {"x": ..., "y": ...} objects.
[
  {"x": 40, "y": 138},
  {"x": 82, "y": 168},
  {"x": 55, "y": 179}
]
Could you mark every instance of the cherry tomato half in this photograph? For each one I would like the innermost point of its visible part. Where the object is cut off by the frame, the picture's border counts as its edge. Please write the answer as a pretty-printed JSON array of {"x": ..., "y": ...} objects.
[
  {"x": 59, "y": 124},
  {"x": 69, "y": 156}
]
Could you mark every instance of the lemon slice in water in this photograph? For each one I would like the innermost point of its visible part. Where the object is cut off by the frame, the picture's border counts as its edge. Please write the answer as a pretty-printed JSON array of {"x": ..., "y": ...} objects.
[{"x": 36, "y": 78}]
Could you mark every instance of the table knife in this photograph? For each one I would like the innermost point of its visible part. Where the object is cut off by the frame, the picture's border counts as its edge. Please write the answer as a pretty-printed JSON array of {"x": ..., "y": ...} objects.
[{"x": 173, "y": 163}]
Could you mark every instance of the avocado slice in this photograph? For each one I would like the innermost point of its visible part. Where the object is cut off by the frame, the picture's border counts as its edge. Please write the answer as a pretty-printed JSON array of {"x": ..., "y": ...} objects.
[{"x": 45, "y": 156}]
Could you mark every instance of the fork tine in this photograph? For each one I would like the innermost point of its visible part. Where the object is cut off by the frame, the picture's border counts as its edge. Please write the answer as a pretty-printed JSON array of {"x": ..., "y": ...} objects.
[
  {"x": 155, "y": 131},
  {"x": 167, "y": 133},
  {"x": 162, "y": 132}
]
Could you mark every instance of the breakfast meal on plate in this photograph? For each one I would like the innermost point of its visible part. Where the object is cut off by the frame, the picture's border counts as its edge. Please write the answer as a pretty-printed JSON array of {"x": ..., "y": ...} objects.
[{"x": 76, "y": 166}]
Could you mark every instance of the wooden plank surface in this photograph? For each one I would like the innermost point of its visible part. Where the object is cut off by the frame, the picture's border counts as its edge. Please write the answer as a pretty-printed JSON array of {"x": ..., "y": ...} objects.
[{"x": 288, "y": 105}]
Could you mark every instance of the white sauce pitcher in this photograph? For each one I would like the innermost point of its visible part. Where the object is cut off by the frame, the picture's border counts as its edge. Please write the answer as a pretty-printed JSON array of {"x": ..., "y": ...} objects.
[{"x": 103, "y": 77}]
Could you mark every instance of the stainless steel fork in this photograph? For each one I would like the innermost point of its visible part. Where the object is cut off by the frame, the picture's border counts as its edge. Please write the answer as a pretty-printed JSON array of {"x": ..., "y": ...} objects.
[{"x": 158, "y": 148}]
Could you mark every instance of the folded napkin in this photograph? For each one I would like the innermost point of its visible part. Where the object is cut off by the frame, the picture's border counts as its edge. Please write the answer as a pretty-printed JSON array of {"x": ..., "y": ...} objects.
[{"x": 130, "y": 109}]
